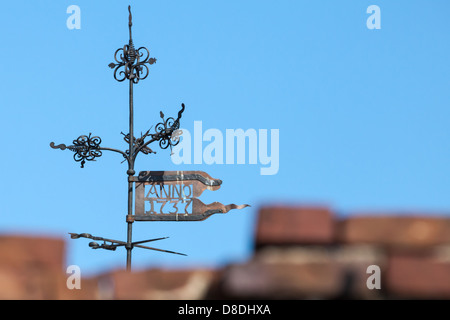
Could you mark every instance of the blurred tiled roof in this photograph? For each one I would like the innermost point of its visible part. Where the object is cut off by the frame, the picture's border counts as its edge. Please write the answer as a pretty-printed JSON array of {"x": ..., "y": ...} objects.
[{"x": 303, "y": 252}]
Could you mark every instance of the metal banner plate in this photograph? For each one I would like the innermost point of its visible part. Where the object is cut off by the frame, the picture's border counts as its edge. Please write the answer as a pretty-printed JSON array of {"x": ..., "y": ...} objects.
[{"x": 173, "y": 196}]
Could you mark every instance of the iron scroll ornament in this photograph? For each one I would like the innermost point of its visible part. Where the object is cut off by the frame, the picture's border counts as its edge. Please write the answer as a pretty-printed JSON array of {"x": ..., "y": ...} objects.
[
  {"x": 167, "y": 133},
  {"x": 132, "y": 65},
  {"x": 86, "y": 148},
  {"x": 126, "y": 58}
]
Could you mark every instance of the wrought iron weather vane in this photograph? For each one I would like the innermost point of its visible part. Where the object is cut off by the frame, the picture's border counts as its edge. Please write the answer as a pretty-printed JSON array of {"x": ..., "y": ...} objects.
[{"x": 179, "y": 187}]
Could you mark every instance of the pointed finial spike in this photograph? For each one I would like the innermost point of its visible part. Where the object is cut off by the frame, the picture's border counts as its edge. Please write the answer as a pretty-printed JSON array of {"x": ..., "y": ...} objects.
[{"x": 130, "y": 23}]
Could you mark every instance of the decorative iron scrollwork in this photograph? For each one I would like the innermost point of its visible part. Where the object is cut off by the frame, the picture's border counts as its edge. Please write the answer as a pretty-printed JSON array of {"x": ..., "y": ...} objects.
[
  {"x": 86, "y": 148},
  {"x": 126, "y": 58},
  {"x": 138, "y": 143},
  {"x": 131, "y": 63},
  {"x": 167, "y": 131}
]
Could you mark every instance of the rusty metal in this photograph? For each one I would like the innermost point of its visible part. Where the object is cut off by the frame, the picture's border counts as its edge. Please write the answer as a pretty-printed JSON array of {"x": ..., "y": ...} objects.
[
  {"x": 133, "y": 65},
  {"x": 86, "y": 148},
  {"x": 173, "y": 196},
  {"x": 130, "y": 64},
  {"x": 113, "y": 244},
  {"x": 166, "y": 133}
]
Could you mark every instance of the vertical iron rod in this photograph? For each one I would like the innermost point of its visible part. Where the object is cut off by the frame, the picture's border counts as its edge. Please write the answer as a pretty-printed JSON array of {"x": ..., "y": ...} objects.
[{"x": 130, "y": 173}]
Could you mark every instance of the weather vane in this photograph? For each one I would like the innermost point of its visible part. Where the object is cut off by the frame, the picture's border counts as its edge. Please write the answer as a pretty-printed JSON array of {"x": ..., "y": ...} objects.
[{"x": 158, "y": 195}]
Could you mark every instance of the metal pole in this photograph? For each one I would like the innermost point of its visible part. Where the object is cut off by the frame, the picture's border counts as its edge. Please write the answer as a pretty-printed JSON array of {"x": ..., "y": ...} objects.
[
  {"x": 130, "y": 172},
  {"x": 86, "y": 148}
]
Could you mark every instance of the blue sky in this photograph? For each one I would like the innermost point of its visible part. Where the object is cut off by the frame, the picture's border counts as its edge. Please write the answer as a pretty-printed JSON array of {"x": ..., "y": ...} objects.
[{"x": 363, "y": 114}]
